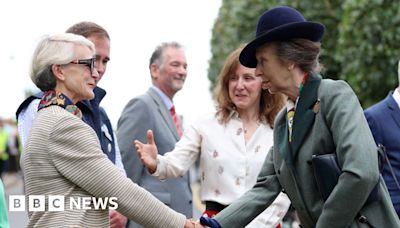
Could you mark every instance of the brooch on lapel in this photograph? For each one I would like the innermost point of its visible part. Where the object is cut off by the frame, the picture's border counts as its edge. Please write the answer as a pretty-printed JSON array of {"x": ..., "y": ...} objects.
[{"x": 316, "y": 106}]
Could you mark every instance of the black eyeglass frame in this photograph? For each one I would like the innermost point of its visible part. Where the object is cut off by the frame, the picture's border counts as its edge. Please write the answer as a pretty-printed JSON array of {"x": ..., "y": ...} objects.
[{"x": 91, "y": 63}]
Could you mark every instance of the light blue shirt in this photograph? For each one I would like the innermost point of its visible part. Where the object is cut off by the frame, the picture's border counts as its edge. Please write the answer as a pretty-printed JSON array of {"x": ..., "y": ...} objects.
[
  {"x": 396, "y": 96},
  {"x": 168, "y": 102}
]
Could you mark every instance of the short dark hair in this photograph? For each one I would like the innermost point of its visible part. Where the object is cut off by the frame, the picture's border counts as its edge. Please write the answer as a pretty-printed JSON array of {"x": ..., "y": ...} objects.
[{"x": 87, "y": 28}]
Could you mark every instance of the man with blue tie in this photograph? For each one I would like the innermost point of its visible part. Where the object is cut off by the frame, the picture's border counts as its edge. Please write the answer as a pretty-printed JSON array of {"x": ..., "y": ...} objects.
[{"x": 384, "y": 120}]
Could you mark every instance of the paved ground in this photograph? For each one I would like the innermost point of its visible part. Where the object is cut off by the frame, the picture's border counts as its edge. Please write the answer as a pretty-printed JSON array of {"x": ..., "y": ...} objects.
[{"x": 14, "y": 186}]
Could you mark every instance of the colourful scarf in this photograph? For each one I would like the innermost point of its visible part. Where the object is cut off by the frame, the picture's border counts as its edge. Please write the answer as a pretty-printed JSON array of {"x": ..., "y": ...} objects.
[{"x": 52, "y": 97}]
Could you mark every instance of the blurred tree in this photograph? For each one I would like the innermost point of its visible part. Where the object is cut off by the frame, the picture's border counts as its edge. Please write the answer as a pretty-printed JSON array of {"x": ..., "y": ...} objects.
[
  {"x": 327, "y": 12},
  {"x": 237, "y": 21},
  {"x": 369, "y": 47},
  {"x": 361, "y": 42},
  {"x": 235, "y": 24}
]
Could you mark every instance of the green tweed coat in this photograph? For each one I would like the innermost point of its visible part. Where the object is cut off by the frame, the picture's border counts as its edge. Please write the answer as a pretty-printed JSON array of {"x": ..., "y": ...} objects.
[{"x": 328, "y": 119}]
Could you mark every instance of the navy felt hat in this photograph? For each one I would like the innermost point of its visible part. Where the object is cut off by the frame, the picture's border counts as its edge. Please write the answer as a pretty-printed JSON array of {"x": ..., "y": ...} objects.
[{"x": 280, "y": 24}]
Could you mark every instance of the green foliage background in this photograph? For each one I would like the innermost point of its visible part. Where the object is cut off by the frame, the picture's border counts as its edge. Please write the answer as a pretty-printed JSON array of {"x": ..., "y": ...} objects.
[{"x": 361, "y": 43}]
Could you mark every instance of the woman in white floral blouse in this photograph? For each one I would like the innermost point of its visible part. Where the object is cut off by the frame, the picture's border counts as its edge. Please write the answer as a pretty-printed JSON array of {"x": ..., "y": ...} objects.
[{"x": 231, "y": 143}]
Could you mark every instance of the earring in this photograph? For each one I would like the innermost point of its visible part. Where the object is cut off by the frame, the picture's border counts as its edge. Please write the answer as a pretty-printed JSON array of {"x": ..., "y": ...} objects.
[{"x": 263, "y": 85}]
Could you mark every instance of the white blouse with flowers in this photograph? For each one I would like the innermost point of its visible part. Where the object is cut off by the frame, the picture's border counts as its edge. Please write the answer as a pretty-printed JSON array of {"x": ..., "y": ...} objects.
[{"x": 228, "y": 165}]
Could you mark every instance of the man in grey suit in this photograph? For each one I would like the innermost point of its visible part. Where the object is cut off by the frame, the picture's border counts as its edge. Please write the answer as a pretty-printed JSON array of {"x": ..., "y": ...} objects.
[{"x": 155, "y": 110}]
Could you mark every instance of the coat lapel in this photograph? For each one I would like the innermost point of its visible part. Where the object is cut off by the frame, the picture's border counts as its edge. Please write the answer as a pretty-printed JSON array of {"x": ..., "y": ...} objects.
[
  {"x": 304, "y": 115},
  {"x": 394, "y": 108},
  {"x": 282, "y": 138},
  {"x": 164, "y": 112}
]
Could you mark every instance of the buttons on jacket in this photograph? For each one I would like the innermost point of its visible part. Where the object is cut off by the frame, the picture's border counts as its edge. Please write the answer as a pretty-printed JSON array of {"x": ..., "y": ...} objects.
[
  {"x": 109, "y": 147},
  {"x": 362, "y": 219}
]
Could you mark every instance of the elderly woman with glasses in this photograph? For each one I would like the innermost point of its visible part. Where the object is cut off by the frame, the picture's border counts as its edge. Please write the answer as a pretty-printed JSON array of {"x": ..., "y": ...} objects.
[
  {"x": 63, "y": 156},
  {"x": 322, "y": 117}
]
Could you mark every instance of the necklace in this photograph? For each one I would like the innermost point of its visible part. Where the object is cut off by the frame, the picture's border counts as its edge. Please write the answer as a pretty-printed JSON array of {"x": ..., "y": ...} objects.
[{"x": 245, "y": 130}]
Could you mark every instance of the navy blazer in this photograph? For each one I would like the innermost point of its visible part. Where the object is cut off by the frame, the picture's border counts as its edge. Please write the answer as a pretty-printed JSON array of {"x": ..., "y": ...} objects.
[{"x": 384, "y": 121}]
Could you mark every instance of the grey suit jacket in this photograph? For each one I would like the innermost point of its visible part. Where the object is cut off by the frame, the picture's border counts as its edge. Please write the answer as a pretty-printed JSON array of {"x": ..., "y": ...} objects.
[
  {"x": 149, "y": 112},
  {"x": 328, "y": 119},
  {"x": 63, "y": 157}
]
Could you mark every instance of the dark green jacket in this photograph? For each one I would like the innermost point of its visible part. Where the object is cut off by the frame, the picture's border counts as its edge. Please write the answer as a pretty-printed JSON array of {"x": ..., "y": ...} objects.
[{"x": 328, "y": 119}]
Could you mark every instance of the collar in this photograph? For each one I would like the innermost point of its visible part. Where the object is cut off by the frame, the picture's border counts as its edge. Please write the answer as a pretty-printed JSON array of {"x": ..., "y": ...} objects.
[
  {"x": 99, "y": 94},
  {"x": 167, "y": 102},
  {"x": 291, "y": 105},
  {"x": 234, "y": 115},
  {"x": 396, "y": 96},
  {"x": 51, "y": 97}
]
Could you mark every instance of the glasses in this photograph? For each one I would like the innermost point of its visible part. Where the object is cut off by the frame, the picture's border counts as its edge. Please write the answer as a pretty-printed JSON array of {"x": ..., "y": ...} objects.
[{"x": 91, "y": 63}]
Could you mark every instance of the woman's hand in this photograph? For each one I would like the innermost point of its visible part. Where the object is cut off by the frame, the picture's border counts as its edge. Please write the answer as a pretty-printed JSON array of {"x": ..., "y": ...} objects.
[
  {"x": 148, "y": 152},
  {"x": 192, "y": 224},
  {"x": 117, "y": 220}
]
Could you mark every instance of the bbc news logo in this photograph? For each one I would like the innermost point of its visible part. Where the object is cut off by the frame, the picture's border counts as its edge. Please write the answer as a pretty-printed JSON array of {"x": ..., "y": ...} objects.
[{"x": 57, "y": 203}]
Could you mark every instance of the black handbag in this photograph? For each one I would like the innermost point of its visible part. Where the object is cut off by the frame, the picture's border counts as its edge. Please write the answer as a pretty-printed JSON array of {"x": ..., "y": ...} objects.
[{"x": 327, "y": 172}]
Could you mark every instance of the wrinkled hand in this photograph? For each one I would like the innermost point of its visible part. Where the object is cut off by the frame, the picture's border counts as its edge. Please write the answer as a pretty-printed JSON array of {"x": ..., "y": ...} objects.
[
  {"x": 148, "y": 152},
  {"x": 117, "y": 220},
  {"x": 192, "y": 224}
]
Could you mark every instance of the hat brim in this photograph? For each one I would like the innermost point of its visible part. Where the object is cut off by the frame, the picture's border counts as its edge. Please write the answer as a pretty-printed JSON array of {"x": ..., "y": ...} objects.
[{"x": 307, "y": 30}]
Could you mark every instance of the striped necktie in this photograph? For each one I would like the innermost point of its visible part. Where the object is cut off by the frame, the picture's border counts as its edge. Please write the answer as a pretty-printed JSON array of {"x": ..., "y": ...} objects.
[
  {"x": 291, "y": 107},
  {"x": 176, "y": 121}
]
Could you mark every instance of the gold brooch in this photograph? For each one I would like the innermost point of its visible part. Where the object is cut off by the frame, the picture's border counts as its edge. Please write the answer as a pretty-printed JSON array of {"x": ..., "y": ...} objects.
[{"x": 317, "y": 106}]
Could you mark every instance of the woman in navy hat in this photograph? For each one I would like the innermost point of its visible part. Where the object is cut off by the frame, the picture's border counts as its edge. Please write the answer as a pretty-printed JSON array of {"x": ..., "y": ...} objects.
[{"x": 322, "y": 116}]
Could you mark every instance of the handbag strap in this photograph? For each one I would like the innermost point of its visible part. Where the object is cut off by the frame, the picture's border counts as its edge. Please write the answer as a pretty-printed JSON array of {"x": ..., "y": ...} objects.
[{"x": 383, "y": 155}]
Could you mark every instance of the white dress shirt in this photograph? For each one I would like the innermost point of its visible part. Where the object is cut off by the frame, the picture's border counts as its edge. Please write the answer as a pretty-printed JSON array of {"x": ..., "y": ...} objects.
[
  {"x": 25, "y": 120},
  {"x": 396, "y": 96},
  {"x": 228, "y": 165}
]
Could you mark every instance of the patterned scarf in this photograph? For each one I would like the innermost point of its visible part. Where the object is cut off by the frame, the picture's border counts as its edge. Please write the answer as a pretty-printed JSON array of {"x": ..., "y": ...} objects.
[{"x": 52, "y": 97}]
